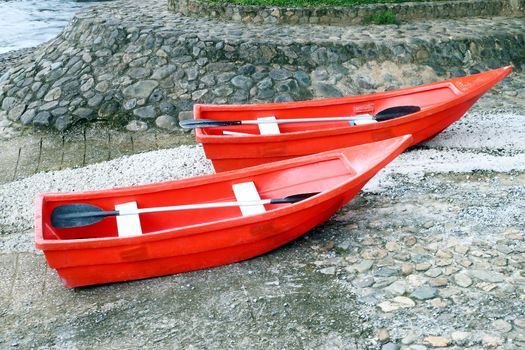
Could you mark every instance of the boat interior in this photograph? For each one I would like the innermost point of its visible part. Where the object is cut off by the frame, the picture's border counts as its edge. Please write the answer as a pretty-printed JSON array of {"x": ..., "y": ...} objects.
[
  {"x": 366, "y": 106},
  {"x": 316, "y": 176}
]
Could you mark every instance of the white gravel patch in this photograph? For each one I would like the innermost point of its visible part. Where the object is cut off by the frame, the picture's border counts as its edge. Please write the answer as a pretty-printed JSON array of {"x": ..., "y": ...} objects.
[
  {"x": 16, "y": 198},
  {"x": 466, "y": 146}
]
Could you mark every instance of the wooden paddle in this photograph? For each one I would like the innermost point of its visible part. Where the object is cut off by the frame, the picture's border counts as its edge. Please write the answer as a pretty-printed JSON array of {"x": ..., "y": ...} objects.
[
  {"x": 77, "y": 215},
  {"x": 386, "y": 114}
]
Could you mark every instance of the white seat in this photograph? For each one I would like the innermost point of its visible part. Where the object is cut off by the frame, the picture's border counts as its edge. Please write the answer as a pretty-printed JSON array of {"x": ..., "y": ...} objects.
[
  {"x": 128, "y": 225},
  {"x": 269, "y": 128},
  {"x": 246, "y": 191}
]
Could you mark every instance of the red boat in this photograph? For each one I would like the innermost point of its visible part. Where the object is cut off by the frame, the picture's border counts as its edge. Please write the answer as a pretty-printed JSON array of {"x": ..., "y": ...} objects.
[
  {"x": 239, "y": 146},
  {"x": 160, "y": 243}
]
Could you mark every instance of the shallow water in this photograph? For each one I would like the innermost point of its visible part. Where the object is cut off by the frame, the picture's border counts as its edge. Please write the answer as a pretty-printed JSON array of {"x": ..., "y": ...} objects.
[{"x": 27, "y": 23}]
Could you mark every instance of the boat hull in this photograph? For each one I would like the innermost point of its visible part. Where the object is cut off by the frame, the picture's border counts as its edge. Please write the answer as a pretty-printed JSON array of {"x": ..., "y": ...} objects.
[
  {"x": 453, "y": 99},
  {"x": 81, "y": 262}
]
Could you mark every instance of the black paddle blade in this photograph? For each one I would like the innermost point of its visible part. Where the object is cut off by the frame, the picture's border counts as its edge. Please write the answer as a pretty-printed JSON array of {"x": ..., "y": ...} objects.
[
  {"x": 396, "y": 112},
  {"x": 77, "y": 215},
  {"x": 206, "y": 123},
  {"x": 294, "y": 198}
]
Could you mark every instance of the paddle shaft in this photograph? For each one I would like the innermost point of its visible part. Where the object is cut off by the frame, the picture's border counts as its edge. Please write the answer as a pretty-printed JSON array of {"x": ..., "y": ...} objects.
[{"x": 306, "y": 120}]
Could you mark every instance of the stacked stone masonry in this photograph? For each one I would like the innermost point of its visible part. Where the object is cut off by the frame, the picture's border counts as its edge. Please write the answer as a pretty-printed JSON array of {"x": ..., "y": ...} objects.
[
  {"x": 139, "y": 65},
  {"x": 341, "y": 16}
]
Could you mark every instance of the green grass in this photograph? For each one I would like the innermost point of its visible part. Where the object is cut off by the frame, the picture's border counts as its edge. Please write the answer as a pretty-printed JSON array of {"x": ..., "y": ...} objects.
[
  {"x": 306, "y": 3},
  {"x": 385, "y": 17}
]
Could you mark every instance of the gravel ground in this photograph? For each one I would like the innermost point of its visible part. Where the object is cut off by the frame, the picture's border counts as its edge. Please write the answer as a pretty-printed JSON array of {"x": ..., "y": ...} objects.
[{"x": 430, "y": 254}]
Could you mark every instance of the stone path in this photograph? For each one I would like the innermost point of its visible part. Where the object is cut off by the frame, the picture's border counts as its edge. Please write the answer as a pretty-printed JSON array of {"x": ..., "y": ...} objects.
[{"x": 27, "y": 153}]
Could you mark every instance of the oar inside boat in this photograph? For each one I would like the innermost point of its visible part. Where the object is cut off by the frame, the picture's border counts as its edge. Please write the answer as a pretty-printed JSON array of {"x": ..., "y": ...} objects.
[
  {"x": 77, "y": 215},
  {"x": 386, "y": 114}
]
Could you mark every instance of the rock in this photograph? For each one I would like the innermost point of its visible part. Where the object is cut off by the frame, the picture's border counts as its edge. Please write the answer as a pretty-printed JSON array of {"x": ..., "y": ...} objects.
[
  {"x": 392, "y": 246},
  {"x": 63, "y": 122},
  {"x": 387, "y": 271},
  {"x": 197, "y": 95},
  {"x": 130, "y": 104},
  {"x": 383, "y": 335},
  {"x": 302, "y": 78},
  {"x": 28, "y": 116},
  {"x": 408, "y": 339},
  {"x": 409, "y": 240},
  {"x": 53, "y": 94},
  {"x": 147, "y": 112},
  {"x": 487, "y": 276},
  {"x": 424, "y": 293},
  {"x": 363, "y": 266},
  {"x": 490, "y": 341},
  {"x": 48, "y": 106},
  {"x": 328, "y": 270},
  {"x": 8, "y": 103},
  {"x": 520, "y": 323},
  {"x": 407, "y": 269},
  {"x": 502, "y": 326},
  {"x": 438, "y": 302},
  {"x": 397, "y": 288},
  {"x": 396, "y": 304},
  {"x": 326, "y": 90},
  {"x": 433, "y": 273},
  {"x": 363, "y": 282},
  {"x": 463, "y": 280},
  {"x": 83, "y": 113},
  {"x": 166, "y": 122},
  {"x": 108, "y": 109},
  {"x": 242, "y": 82},
  {"x": 423, "y": 266},
  {"x": 437, "y": 342},
  {"x": 87, "y": 85},
  {"x": 59, "y": 111},
  {"x": 280, "y": 74},
  {"x": 137, "y": 125},
  {"x": 438, "y": 282},
  {"x": 141, "y": 89},
  {"x": 390, "y": 346},
  {"x": 15, "y": 112},
  {"x": 42, "y": 119},
  {"x": 95, "y": 100},
  {"x": 247, "y": 69},
  {"x": 374, "y": 253},
  {"x": 186, "y": 115},
  {"x": 460, "y": 338},
  {"x": 138, "y": 72}
]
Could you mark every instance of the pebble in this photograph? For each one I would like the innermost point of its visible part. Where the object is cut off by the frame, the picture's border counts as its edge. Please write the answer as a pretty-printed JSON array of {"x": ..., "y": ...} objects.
[
  {"x": 136, "y": 125},
  {"x": 490, "y": 341},
  {"x": 166, "y": 122},
  {"x": 460, "y": 337},
  {"x": 363, "y": 266},
  {"x": 424, "y": 293},
  {"x": 487, "y": 276},
  {"x": 390, "y": 346},
  {"x": 437, "y": 342},
  {"x": 410, "y": 338},
  {"x": 383, "y": 335},
  {"x": 423, "y": 266},
  {"x": 502, "y": 326},
  {"x": 396, "y": 303}
]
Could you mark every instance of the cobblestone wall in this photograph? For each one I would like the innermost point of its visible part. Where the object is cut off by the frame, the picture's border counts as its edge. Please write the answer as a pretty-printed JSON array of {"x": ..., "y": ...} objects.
[
  {"x": 341, "y": 16},
  {"x": 136, "y": 64}
]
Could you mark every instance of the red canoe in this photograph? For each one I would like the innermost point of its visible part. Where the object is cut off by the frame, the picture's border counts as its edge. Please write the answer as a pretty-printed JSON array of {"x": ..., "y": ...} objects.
[
  {"x": 173, "y": 242},
  {"x": 441, "y": 104}
]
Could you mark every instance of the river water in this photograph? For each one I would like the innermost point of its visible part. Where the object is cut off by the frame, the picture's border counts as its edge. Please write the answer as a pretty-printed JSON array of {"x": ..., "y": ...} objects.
[{"x": 26, "y": 23}]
